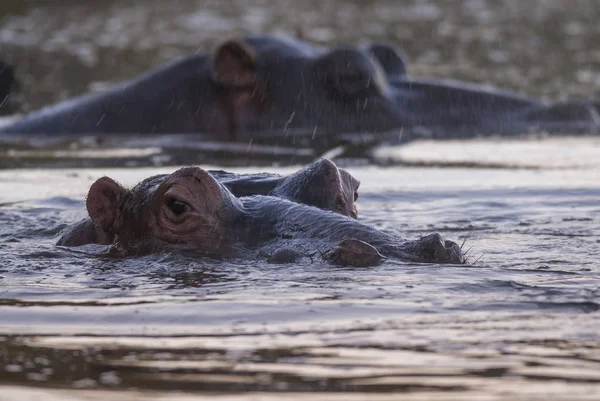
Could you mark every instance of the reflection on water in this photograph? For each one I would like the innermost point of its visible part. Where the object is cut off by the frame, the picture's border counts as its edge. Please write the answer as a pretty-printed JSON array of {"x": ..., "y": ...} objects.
[{"x": 523, "y": 315}]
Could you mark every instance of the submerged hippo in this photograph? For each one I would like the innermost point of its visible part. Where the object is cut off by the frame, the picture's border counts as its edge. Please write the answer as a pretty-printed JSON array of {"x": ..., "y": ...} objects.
[
  {"x": 190, "y": 210},
  {"x": 320, "y": 184},
  {"x": 283, "y": 89},
  {"x": 8, "y": 87}
]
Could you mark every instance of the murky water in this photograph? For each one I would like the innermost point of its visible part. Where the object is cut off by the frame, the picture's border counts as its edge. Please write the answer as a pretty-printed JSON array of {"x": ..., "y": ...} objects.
[{"x": 520, "y": 322}]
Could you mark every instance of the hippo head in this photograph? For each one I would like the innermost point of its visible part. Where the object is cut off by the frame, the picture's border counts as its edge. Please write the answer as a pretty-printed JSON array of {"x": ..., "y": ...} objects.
[
  {"x": 266, "y": 85},
  {"x": 186, "y": 209}
]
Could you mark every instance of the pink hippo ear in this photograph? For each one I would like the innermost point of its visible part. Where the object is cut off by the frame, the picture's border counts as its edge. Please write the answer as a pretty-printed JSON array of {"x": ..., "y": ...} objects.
[
  {"x": 103, "y": 202},
  {"x": 234, "y": 63}
]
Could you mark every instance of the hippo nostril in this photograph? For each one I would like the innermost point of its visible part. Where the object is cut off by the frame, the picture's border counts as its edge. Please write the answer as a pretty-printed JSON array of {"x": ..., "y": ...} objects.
[{"x": 441, "y": 250}]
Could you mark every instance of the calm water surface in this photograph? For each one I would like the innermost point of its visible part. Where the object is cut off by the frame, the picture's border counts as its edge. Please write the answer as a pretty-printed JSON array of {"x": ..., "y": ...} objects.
[{"x": 520, "y": 322}]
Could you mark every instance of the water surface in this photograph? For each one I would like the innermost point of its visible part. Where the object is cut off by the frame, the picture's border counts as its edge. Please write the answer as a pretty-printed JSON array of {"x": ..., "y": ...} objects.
[{"x": 524, "y": 314}]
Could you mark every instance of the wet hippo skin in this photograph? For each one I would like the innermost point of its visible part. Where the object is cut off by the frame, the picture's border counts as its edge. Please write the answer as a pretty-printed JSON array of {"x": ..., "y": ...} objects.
[
  {"x": 190, "y": 211},
  {"x": 257, "y": 85},
  {"x": 320, "y": 184}
]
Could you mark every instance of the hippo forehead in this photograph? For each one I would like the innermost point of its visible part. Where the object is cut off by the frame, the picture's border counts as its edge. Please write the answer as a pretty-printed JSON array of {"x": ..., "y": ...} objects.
[
  {"x": 272, "y": 48},
  {"x": 284, "y": 46},
  {"x": 283, "y": 61},
  {"x": 144, "y": 190}
]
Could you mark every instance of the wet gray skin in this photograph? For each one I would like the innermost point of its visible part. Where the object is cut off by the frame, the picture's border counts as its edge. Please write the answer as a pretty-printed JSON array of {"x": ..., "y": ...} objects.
[
  {"x": 320, "y": 184},
  {"x": 190, "y": 211},
  {"x": 8, "y": 87},
  {"x": 268, "y": 86}
]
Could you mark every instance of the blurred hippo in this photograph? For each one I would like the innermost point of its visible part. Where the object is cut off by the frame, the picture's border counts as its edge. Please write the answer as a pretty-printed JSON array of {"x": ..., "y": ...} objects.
[
  {"x": 320, "y": 184},
  {"x": 8, "y": 88},
  {"x": 190, "y": 211},
  {"x": 282, "y": 88}
]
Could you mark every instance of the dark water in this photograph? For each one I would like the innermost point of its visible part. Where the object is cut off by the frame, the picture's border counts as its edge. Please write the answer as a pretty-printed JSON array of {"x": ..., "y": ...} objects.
[{"x": 520, "y": 322}]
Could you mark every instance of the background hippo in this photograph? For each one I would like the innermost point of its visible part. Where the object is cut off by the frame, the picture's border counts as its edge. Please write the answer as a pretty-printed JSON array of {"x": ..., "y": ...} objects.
[
  {"x": 190, "y": 210},
  {"x": 272, "y": 89},
  {"x": 246, "y": 85},
  {"x": 320, "y": 184}
]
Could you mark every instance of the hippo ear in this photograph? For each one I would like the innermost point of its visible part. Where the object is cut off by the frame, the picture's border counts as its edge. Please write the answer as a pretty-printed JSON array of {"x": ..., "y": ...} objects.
[
  {"x": 234, "y": 63},
  {"x": 350, "y": 180},
  {"x": 389, "y": 57},
  {"x": 103, "y": 202}
]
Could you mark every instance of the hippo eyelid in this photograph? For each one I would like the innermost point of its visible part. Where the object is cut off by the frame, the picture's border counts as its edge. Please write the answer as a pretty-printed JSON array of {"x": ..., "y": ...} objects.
[{"x": 177, "y": 206}]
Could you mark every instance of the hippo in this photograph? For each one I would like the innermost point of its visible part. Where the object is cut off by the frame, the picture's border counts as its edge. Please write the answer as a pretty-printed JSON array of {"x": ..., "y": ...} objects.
[
  {"x": 320, "y": 184},
  {"x": 8, "y": 88},
  {"x": 264, "y": 88},
  {"x": 190, "y": 211}
]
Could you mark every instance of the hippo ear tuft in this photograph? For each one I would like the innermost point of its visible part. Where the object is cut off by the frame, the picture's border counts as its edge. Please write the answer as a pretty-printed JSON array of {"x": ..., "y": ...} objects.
[
  {"x": 234, "y": 63},
  {"x": 103, "y": 202}
]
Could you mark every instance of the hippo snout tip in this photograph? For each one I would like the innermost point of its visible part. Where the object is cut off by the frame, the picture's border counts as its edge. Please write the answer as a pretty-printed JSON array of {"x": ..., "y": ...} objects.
[
  {"x": 436, "y": 249},
  {"x": 455, "y": 252}
]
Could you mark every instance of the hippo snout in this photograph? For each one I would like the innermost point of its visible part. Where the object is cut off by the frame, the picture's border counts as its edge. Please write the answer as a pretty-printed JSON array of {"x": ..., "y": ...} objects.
[{"x": 436, "y": 249}]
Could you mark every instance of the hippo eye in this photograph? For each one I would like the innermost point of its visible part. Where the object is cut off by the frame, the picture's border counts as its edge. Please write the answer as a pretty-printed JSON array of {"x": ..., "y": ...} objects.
[
  {"x": 178, "y": 207},
  {"x": 355, "y": 196}
]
